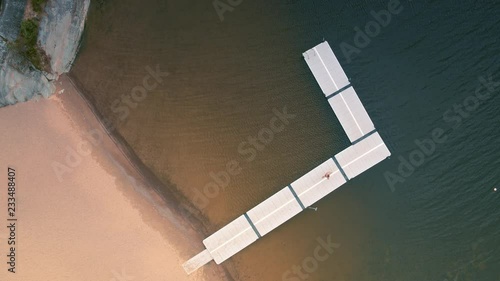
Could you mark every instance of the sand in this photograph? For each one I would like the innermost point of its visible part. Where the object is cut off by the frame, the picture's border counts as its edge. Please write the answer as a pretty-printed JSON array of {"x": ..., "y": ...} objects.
[{"x": 96, "y": 217}]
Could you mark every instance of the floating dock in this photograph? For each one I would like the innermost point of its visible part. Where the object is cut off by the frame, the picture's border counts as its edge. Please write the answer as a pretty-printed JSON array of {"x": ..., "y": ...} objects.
[{"x": 367, "y": 150}]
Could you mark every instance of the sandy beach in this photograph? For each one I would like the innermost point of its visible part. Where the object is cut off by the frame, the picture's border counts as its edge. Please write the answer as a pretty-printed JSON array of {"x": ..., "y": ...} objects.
[{"x": 84, "y": 211}]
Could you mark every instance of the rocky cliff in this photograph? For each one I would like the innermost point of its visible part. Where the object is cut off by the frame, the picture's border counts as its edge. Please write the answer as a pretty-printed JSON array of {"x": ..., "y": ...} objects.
[{"x": 60, "y": 30}]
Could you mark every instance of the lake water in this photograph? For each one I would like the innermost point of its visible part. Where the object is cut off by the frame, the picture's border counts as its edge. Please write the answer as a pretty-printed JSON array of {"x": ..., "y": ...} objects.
[{"x": 439, "y": 221}]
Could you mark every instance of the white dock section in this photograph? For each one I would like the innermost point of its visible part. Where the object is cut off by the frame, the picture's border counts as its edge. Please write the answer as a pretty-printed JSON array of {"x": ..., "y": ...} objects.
[
  {"x": 363, "y": 155},
  {"x": 273, "y": 212},
  {"x": 230, "y": 239},
  {"x": 326, "y": 68},
  {"x": 315, "y": 185},
  {"x": 197, "y": 261},
  {"x": 367, "y": 150},
  {"x": 351, "y": 114}
]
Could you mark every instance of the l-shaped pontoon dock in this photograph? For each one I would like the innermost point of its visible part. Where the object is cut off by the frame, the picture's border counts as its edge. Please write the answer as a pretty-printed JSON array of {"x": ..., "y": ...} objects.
[{"x": 367, "y": 149}]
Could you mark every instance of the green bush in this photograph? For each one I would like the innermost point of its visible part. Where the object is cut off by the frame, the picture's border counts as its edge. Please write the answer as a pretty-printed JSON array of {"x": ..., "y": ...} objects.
[
  {"x": 29, "y": 32},
  {"x": 26, "y": 43},
  {"x": 38, "y": 5}
]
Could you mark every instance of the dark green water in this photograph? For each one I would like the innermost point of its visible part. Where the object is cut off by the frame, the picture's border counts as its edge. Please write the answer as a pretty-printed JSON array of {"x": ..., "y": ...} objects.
[{"x": 441, "y": 223}]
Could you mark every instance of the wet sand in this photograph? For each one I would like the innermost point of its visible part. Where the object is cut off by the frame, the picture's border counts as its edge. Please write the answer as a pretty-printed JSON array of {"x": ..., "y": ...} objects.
[{"x": 97, "y": 218}]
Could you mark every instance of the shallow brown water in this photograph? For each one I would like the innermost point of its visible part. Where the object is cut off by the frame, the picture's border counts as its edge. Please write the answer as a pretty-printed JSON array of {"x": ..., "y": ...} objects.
[
  {"x": 221, "y": 89},
  {"x": 227, "y": 77}
]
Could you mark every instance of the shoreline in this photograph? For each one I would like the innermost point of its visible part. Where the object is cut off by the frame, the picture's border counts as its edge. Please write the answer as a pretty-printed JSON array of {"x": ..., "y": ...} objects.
[
  {"x": 104, "y": 214},
  {"x": 170, "y": 196},
  {"x": 130, "y": 155}
]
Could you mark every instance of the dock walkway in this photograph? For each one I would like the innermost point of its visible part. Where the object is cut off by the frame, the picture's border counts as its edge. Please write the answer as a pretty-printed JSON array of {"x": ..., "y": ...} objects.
[{"x": 367, "y": 150}]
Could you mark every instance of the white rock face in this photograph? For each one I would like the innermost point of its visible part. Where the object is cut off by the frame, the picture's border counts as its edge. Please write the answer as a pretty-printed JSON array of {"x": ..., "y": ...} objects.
[
  {"x": 60, "y": 32},
  {"x": 18, "y": 85},
  {"x": 11, "y": 15}
]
